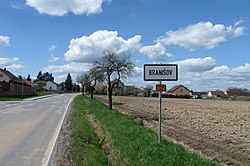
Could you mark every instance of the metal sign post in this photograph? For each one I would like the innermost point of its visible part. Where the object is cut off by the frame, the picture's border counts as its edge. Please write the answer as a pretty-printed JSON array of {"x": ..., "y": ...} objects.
[
  {"x": 160, "y": 72},
  {"x": 159, "y": 125}
]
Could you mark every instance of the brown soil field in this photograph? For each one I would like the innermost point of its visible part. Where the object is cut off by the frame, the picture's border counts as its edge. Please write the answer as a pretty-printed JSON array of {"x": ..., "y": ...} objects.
[{"x": 215, "y": 129}]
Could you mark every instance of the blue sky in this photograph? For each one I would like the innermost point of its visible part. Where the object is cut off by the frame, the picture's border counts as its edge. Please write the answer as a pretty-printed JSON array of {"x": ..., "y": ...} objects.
[{"x": 209, "y": 40}]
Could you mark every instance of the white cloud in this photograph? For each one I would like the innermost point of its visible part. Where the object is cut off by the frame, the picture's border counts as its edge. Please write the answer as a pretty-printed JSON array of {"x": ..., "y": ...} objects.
[
  {"x": 73, "y": 67},
  {"x": 61, "y": 78},
  {"x": 4, "y": 41},
  {"x": 53, "y": 58},
  {"x": 52, "y": 48},
  {"x": 156, "y": 52},
  {"x": 220, "y": 70},
  {"x": 137, "y": 71},
  {"x": 12, "y": 64},
  {"x": 60, "y": 71},
  {"x": 201, "y": 35},
  {"x": 242, "y": 69},
  {"x": 90, "y": 48},
  {"x": 220, "y": 77},
  {"x": 196, "y": 64},
  {"x": 62, "y": 7}
]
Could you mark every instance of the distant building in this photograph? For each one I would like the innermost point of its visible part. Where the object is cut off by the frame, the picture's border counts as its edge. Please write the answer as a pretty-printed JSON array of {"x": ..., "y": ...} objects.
[
  {"x": 179, "y": 91},
  {"x": 119, "y": 89},
  {"x": 216, "y": 94},
  {"x": 130, "y": 90},
  {"x": 61, "y": 87},
  {"x": 199, "y": 95},
  {"x": 140, "y": 92},
  {"x": 10, "y": 85},
  {"x": 6, "y": 76},
  {"x": 51, "y": 86}
]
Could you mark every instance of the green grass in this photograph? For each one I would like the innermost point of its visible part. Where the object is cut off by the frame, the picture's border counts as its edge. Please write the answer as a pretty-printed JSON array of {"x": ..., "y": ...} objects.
[
  {"x": 134, "y": 144},
  {"x": 20, "y": 98},
  {"x": 10, "y": 99},
  {"x": 44, "y": 93},
  {"x": 86, "y": 149}
]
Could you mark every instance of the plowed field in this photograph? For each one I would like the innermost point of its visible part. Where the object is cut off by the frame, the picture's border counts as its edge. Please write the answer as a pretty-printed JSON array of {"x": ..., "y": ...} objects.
[{"x": 219, "y": 130}]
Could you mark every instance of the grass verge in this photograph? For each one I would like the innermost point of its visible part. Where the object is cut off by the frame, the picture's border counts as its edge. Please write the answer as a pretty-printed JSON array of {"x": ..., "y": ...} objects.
[
  {"x": 10, "y": 99},
  {"x": 133, "y": 143},
  {"x": 20, "y": 98},
  {"x": 86, "y": 149}
]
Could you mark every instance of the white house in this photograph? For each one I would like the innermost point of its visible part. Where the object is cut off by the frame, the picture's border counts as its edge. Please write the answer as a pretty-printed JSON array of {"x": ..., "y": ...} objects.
[
  {"x": 216, "y": 94},
  {"x": 51, "y": 86}
]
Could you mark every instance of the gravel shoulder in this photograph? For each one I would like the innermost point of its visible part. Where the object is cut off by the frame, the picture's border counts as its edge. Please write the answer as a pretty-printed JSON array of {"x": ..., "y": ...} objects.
[
  {"x": 61, "y": 155},
  {"x": 219, "y": 130}
]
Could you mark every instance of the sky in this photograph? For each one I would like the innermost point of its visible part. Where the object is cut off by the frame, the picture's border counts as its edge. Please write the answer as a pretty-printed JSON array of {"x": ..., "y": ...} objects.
[{"x": 209, "y": 40}]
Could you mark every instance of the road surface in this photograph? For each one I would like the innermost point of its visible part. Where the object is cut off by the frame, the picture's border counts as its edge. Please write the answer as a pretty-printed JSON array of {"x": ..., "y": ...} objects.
[{"x": 28, "y": 129}]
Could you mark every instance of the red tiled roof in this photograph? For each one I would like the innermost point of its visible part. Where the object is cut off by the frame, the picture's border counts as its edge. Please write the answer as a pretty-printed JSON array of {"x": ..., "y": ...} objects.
[
  {"x": 27, "y": 82},
  {"x": 176, "y": 87}
]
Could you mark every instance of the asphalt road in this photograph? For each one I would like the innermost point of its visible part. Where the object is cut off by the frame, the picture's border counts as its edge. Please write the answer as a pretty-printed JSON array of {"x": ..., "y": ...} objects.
[{"x": 28, "y": 129}]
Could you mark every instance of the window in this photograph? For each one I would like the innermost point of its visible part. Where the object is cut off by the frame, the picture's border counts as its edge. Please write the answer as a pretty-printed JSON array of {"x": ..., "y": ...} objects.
[{"x": 1, "y": 75}]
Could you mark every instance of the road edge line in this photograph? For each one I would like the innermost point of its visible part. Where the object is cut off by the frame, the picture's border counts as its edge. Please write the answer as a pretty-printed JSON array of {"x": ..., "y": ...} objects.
[{"x": 51, "y": 145}]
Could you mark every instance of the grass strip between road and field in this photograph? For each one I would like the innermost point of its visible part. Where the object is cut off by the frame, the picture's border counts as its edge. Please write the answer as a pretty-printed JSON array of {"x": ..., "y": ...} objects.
[
  {"x": 10, "y": 99},
  {"x": 86, "y": 149},
  {"x": 132, "y": 143},
  {"x": 38, "y": 94}
]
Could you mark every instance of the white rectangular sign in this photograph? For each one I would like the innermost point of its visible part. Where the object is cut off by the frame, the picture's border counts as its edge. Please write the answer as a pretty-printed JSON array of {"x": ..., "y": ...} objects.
[{"x": 160, "y": 72}]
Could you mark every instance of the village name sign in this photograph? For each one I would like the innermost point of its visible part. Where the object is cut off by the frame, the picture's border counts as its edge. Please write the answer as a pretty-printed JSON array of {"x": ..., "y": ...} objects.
[{"x": 160, "y": 72}]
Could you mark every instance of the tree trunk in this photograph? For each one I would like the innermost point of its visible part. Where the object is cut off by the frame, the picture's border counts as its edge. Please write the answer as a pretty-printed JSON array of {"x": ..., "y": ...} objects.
[
  {"x": 110, "y": 92},
  {"x": 110, "y": 98},
  {"x": 82, "y": 89},
  {"x": 91, "y": 92}
]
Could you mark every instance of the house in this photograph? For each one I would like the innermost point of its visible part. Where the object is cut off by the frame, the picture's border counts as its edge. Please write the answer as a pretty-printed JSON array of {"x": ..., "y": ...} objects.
[
  {"x": 6, "y": 76},
  {"x": 51, "y": 86},
  {"x": 140, "y": 92},
  {"x": 130, "y": 90},
  {"x": 153, "y": 93},
  {"x": 101, "y": 89},
  {"x": 179, "y": 91},
  {"x": 216, "y": 94},
  {"x": 10, "y": 85},
  {"x": 199, "y": 95},
  {"x": 39, "y": 85},
  {"x": 119, "y": 89},
  {"x": 61, "y": 87}
]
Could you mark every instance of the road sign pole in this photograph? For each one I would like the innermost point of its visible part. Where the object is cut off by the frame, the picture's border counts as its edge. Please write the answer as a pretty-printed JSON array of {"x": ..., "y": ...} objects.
[
  {"x": 160, "y": 72},
  {"x": 159, "y": 123}
]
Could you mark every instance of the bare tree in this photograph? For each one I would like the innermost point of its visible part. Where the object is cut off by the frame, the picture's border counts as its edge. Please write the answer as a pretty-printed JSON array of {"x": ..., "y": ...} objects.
[
  {"x": 80, "y": 80},
  {"x": 95, "y": 75},
  {"x": 84, "y": 80},
  {"x": 114, "y": 65},
  {"x": 89, "y": 80}
]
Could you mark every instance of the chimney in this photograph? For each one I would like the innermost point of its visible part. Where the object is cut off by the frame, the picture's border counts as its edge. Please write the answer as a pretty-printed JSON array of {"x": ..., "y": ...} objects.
[{"x": 4, "y": 69}]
